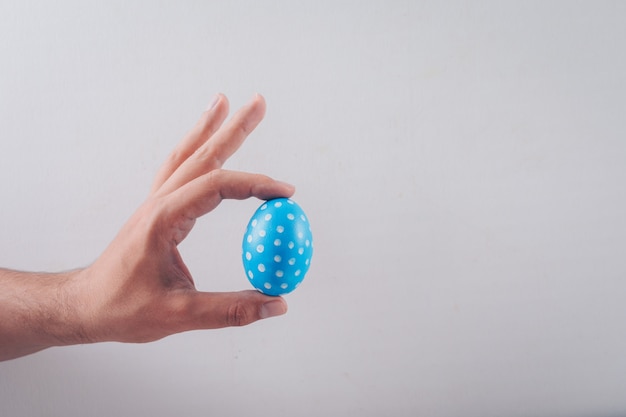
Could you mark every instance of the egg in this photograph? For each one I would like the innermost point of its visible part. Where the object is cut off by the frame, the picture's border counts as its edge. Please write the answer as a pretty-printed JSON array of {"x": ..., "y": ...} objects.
[{"x": 277, "y": 247}]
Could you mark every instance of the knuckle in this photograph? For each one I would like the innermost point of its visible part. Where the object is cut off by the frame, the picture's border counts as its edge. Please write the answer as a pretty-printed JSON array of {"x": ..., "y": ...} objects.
[
  {"x": 244, "y": 128},
  {"x": 215, "y": 177},
  {"x": 176, "y": 157},
  {"x": 209, "y": 156},
  {"x": 238, "y": 315}
]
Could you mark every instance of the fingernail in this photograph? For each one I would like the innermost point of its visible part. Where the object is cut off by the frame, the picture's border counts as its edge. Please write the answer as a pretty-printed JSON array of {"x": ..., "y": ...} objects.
[
  {"x": 216, "y": 98},
  {"x": 273, "y": 309},
  {"x": 286, "y": 184},
  {"x": 256, "y": 97}
]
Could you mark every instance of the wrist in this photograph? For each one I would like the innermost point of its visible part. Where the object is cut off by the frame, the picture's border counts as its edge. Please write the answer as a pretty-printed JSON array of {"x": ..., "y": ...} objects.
[
  {"x": 38, "y": 311},
  {"x": 67, "y": 323}
]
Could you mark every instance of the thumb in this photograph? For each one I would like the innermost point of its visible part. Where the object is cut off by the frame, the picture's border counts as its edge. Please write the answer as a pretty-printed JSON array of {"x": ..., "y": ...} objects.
[{"x": 214, "y": 310}]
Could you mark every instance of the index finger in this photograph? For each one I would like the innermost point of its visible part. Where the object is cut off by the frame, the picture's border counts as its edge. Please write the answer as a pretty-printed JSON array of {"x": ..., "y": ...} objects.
[{"x": 205, "y": 193}]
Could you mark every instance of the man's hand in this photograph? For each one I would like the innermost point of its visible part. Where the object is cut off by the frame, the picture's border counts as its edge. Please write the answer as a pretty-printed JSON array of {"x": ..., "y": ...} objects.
[{"x": 139, "y": 289}]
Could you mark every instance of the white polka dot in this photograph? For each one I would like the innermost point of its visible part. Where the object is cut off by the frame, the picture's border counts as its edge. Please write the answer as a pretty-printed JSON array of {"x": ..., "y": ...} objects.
[
  {"x": 307, "y": 261},
  {"x": 260, "y": 248},
  {"x": 292, "y": 261},
  {"x": 290, "y": 216},
  {"x": 307, "y": 243},
  {"x": 277, "y": 242},
  {"x": 267, "y": 285},
  {"x": 261, "y": 268},
  {"x": 278, "y": 204},
  {"x": 268, "y": 217},
  {"x": 248, "y": 255},
  {"x": 300, "y": 235},
  {"x": 291, "y": 245},
  {"x": 262, "y": 233},
  {"x": 264, "y": 206},
  {"x": 284, "y": 285},
  {"x": 297, "y": 273},
  {"x": 249, "y": 239},
  {"x": 302, "y": 217},
  {"x": 277, "y": 258},
  {"x": 280, "y": 229},
  {"x": 290, "y": 201},
  {"x": 250, "y": 274},
  {"x": 254, "y": 222},
  {"x": 279, "y": 273},
  {"x": 301, "y": 251}
]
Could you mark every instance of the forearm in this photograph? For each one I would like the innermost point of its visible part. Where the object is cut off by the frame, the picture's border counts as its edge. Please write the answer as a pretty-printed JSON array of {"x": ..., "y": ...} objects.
[{"x": 37, "y": 311}]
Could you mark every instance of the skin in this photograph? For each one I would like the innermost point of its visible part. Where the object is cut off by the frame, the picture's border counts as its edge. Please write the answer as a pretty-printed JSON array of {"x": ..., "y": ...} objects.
[{"x": 139, "y": 289}]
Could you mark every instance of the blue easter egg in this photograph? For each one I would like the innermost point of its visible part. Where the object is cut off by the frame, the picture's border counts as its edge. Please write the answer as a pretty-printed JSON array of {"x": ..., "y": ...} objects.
[{"x": 277, "y": 247}]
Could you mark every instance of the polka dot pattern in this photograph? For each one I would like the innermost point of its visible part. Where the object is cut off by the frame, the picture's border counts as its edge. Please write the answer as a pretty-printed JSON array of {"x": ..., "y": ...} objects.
[{"x": 277, "y": 247}]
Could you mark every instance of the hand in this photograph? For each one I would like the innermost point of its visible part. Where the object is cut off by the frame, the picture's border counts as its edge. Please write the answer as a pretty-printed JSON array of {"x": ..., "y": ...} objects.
[{"x": 139, "y": 289}]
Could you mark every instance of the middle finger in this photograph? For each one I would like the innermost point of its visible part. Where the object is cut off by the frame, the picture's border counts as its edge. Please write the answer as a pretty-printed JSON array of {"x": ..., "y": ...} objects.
[{"x": 213, "y": 153}]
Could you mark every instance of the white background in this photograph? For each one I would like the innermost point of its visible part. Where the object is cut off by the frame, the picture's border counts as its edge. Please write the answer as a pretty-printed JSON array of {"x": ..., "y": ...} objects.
[{"x": 463, "y": 166}]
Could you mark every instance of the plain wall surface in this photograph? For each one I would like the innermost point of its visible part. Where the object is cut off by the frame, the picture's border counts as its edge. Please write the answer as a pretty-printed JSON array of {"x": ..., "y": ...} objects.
[{"x": 463, "y": 166}]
